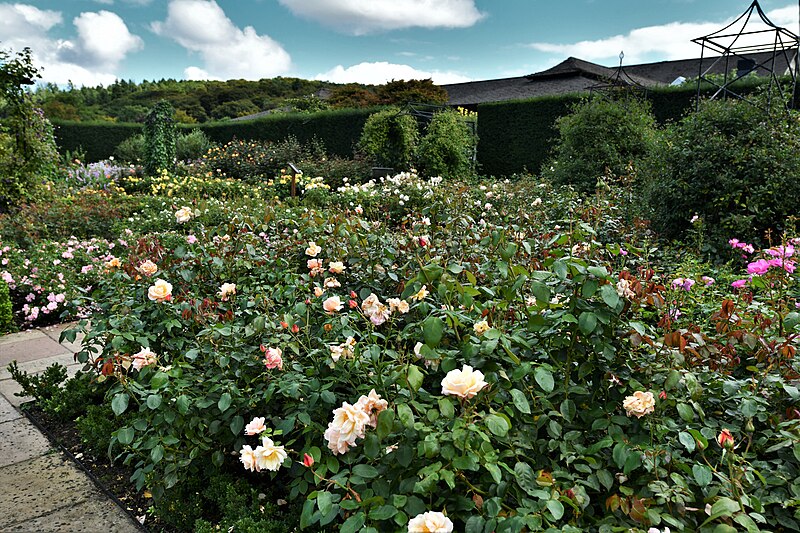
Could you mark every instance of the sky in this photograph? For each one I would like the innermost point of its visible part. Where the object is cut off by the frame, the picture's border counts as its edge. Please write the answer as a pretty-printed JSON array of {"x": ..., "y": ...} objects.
[{"x": 95, "y": 42}]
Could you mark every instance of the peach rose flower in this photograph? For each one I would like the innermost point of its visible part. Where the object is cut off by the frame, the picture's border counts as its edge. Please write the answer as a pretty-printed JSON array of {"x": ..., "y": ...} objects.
[
  {"x": 143, "y": 358},
  {"x": 332, "y": 304},
  {"x": 481, "y": 327},
  {"x": 255, "y": 426},
  {"x": 372, "y": 404},
  {"x": 160, "y": 291},
  {"x": 148, "y": 268},
  {"x": 464, "y": 383},
  {"x": 430, "y": 522},
  {"x": 248, "y": 458},
  {"x": 336, "y": 267},
  {"x": 639, "y": 404},
  {"x": 347, "y": 425}
]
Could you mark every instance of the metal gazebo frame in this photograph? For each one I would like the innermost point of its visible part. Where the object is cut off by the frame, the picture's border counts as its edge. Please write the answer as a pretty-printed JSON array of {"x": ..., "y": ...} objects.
[
  {"x": 620, "y": 84},
  {"x": 728, "y": 43}
]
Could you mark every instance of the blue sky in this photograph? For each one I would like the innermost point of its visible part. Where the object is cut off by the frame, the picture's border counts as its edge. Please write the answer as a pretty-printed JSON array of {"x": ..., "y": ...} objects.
[{"x": 97, "y": 41}]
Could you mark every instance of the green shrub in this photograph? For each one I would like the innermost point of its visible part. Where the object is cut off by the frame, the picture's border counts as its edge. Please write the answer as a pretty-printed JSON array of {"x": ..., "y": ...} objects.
[
  {"x": 42, "y": 387},
  {"x": 390, "y": 139},
  {"x": 131, "y": 150},
  {"x": 601, "y": 137},
  {"x": 448, "y": 146},
  {"x": 96, "y": 426},
  {"x": 732, "y": 166},
  {"x": 6, "y": 309},
  {"x": 159, "y": 136},
  {"x": 192, "y": 145}
]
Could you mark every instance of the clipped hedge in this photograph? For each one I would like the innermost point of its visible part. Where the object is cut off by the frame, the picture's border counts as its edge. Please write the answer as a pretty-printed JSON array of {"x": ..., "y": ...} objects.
[
  {"x": 518, "y": 135},
  {"x": 338, "y": 130}
]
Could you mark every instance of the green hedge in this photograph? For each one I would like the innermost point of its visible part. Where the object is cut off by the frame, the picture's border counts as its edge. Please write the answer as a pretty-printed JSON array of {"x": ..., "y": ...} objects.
[
  {"x": 519, "y": 135},
  {"x": 338, "y": 130}
]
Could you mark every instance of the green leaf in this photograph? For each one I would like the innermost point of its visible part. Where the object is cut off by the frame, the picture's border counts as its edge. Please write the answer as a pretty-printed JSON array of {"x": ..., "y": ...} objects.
[
  {"x": 702, "y": 475},
  {"x": 384, "y": 512},
  {"x": 385, "y": 423},
  {"x": 154, "y": 401},
  {"x": 414, "y": 377},
  {"x": 520, "y": 401},
  {"x": 587, "y": 321},
  {"x": 497, "y": 425},
  {"x": 475, "y": 524},
  {"x": 445, "y": 408},
  {"x": 237, "y": 424},
  {"x": 544, "y": 378},
  {"x": 432, "y": 329},
  {"x": 157, "y": 453},
  {"x": 685, "y": 412},
  {"x": 159, "y": 380},
  {"x": 125, "y": 435},
  {"x": 119, "y": 403},
  {"x": 672, "y": 379},
  {"x": 687, "y": 440},
  {"x": 724, "y": 507},
  {"x": 365, "y": 471},
  {"x": 609, "y": 295},
  {"x": 494, "y": 470},
  {"x": 324, "y": 502},
  {"x": 182, "y": 403},
  {"x": 556, "y": 508},
  {"x": 568, "y": 410},
  {"x": 405, "y": 415},
  {"x": 224, "y": 402},
  {"x": 353, "y": 524},
  {"x": 561, "y": 270},
  {"x": 307, "y": 514},
  {"x": 525, "y": 477}
]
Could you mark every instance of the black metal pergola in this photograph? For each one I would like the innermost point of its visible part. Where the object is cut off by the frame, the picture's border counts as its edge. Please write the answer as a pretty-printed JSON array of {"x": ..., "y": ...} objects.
[
  {"x": 736, "y": 45},
  {"x": 620, "y": 86}
]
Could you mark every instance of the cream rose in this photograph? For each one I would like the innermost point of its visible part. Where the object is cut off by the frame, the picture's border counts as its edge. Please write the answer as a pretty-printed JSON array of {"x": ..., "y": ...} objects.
[
  {"x": 639, "y": 404},
  {"x": 313, "y": 250},
  {"x": 336, "y": 267},
  {"x": 430, "y": 522},
  {"x": 464, "y": 383},
  {"x": 332, "y": 304},
  {"x": 248, "y": 458},
  {"x": 160, "y": 291},
  {"x": 421, "y": 294},
  {"x": 481, "y": 327},
  {"x": 148, "y": 268},
  {"x": 184, "y": 214},
  {"x": 269, "y": 456},
  {"x": 396, "y": 304},
  {"x": 372, "y": 404},
  {"x": 113, "y": 263},
  {"x": 226, "y": 290}
]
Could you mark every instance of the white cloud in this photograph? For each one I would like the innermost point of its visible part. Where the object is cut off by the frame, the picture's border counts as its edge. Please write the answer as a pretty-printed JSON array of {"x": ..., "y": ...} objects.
[
  {"x": 198, "y": 74},
  {"x": 665, "y": 42},
  {"x": 227, "y": 51},
  {"x": 359, "y": 17},
  {"x": 91, "y": 58},
  {"x": 104, "y": 39},
  {"x": 381, "y": 72}
]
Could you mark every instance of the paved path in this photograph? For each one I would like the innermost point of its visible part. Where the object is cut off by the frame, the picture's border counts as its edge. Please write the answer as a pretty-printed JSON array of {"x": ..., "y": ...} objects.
[{"x": 42, "y": 491}]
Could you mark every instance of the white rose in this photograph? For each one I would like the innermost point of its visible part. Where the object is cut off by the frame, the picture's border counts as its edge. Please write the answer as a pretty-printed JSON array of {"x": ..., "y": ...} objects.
[{"x": 465, "y": 383}]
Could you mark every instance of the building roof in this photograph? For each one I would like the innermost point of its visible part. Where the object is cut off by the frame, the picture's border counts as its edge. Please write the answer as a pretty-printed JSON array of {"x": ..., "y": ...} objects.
[{"x": 575, "y": 75}]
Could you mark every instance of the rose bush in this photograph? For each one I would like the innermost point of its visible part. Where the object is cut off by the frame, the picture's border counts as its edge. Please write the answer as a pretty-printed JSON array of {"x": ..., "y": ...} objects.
[{"x": 534, "y": 370}]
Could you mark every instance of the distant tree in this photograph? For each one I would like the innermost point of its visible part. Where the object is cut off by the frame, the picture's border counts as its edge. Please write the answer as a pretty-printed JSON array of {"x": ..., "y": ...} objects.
[
  {"x": 353, "y": 95},
  {"x": 236, "y": 108},
  {"x": 400, "y": 92}
]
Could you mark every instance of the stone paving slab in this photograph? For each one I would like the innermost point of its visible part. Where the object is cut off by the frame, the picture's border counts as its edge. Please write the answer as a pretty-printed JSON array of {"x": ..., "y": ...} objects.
[
  {"x": 39, "y": 486},
  {"x": 30, "y": 349},
  {"x": 92, "y": 516},
  {"x": 54, "y": 332},
  {"x": 21, "y": 441},
  {"x": 39, "y": 365},
  {"x": 21, "y": 336},
  {"x": 8, "y": 412}
]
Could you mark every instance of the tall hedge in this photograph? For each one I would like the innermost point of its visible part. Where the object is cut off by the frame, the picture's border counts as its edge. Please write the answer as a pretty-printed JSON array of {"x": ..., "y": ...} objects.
[
  {"x": 520, "y": 134},
  {"x": 338, "y": 130}
]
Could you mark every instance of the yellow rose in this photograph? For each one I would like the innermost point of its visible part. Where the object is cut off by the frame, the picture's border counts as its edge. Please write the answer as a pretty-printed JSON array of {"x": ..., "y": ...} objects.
[
  {"x": 268, "y": 456},
  {"x": 313, "y": 250},
  {"x": 465, "y": 383},
  {"x": 160, "y": 291}
]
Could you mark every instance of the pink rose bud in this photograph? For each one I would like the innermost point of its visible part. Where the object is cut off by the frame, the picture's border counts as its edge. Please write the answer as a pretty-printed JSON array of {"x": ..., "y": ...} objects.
[{"x": 308, "y": 461}]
